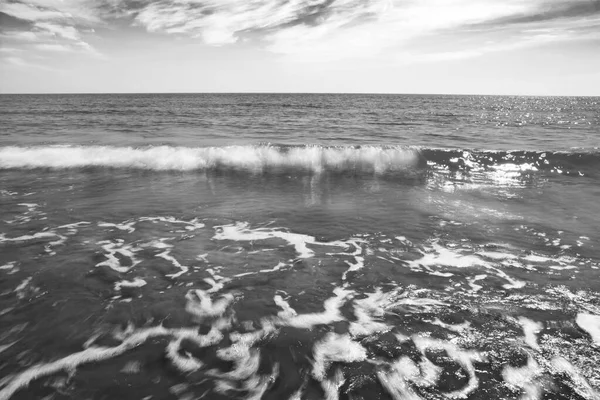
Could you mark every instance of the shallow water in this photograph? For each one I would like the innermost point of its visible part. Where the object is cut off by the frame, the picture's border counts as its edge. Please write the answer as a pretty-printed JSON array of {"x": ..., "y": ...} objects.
[{"x": 154, "y": 246}]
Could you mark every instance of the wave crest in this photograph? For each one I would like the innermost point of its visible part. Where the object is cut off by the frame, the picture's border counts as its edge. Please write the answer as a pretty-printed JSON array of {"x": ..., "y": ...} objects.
[
  {"x": 300, "y": 159},
  {"x": 246, "y": 158}
]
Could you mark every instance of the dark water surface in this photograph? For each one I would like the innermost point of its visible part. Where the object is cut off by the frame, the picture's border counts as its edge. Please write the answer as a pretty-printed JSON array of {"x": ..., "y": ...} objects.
[{"x": 299, "y": 247}]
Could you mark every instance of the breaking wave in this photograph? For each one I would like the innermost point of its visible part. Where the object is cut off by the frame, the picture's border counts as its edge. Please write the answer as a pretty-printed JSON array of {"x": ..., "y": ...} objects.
[
  {"x": 244, "y": 158},
  {"x": 308, "y": 159}
]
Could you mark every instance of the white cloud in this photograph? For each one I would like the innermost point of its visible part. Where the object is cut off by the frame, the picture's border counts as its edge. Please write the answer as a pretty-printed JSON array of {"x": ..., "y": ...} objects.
[
  {"x": 24, "y": 36},
  {"x": 22, "y": 63},
  {"x": 79, "y": 11},
  {"x": 219, "y": 22},
  {"x": 300, "y": 30},
  {"x": 525, "y": 38},
  {"x": 53, "y": 47},
  {"x": 394, "y": 25},
  {"x": 59, "y": 31},
  {"x": 222, "y": 22},
  {"x": 55, "y": 24},
  {"x": 31, "y": 12},
  {"x": 320, "y": 29},
  {"x": 9, "y": 50}
]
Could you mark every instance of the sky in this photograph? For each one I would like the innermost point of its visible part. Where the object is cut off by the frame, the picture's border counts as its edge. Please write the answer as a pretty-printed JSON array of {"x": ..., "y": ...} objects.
[{"x": 520, "y": 47}]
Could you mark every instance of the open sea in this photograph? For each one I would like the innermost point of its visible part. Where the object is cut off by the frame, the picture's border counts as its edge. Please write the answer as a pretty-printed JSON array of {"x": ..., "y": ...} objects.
[{"x": 274, "y": 246}]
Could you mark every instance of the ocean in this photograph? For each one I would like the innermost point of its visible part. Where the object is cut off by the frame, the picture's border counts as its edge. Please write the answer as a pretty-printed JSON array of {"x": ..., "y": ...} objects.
[{"x": 299, "y": 246}]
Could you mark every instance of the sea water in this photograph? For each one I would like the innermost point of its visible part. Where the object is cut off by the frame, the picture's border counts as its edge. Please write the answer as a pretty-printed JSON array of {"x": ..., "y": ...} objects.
[{"x": 269, "y": 246}]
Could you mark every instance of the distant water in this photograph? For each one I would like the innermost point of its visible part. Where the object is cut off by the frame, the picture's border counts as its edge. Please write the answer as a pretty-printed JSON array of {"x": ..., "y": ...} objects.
[{"x": 299, "y": 247}]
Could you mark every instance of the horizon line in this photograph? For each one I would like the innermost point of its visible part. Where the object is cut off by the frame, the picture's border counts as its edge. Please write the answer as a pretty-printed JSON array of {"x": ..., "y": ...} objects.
[{"x": 290, "y": 93}]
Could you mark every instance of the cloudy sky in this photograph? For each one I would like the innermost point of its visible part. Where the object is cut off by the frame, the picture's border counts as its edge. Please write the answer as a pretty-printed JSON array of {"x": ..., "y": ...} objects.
[{"x": 546, "y": 47}]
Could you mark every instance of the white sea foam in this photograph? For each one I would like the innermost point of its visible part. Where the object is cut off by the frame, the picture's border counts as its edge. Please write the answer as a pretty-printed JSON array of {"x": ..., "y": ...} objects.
[
  {"x": 436, "y": 256},
  {"x": 258, "y": 385},
  {"x": 525, "y": 378},
  {"x": 366, "y": 310},
  {"x": 512, "y": 283},
  {"x": 331, "y": 387},
  {"x": 190, "y": 225},
  {"x": 241, "y": 232},
  {"x": 458, "y": 328},
  {"x": 8, "y": 266},
  {"x": 278, "y": 267},
  {"x": 403, "y": 240},
  {"x": 359, "y": 264},
  {"x": 440, "y": 255},
  {"x": 24, "y": 238},
  {"x": 20, "y": 289},
  {"x": 531, "y": 329},
  {"x": 403, "y": 371},
  {"x": 246, "y": 361},
  {"x": 31, "y": 213},
  {"x": 201, "y": 305},
  {"x": 591, "y": 324},
  {"x": 417, "y": 304},
  {"x": 248, "y": 158},
  {"x": 429, "y": 373},
  {"x": 464, "y": 358},
  {"x": 137, "y": 282},
  {"x": 185, "y": 363},
  {"x": 30, "y": 206},
  {"x": 297, "y": 395},
  {"x": 157, "y": 244},
  {"x": 335, "y": 347},
  {"x": 182, "y": 268},
  {"x": 131, "y": 339},
  {"x": 396, "y": 381},
  {"x": 287, "y": 311},
  {"x": 118, "y": 246},
  {"x": 217, "y": 282},
  {"x": 132, "y": 367},
  {"x": 6, "y": 346},
  {"x": 562, "y": 268},
  {"x": 73, "y": 225},
  {"x": 496, "y": 255},
  {"x": 581, "y": 385},
  {"x": 125, "y": 226},
  {"x": 536, "y": 258},
  {"x": 475, "y": 287},
  {"x": 214, "y": 285},
  {"x": 224, "y": 386},
  {"x": 289, "y": 317}
]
